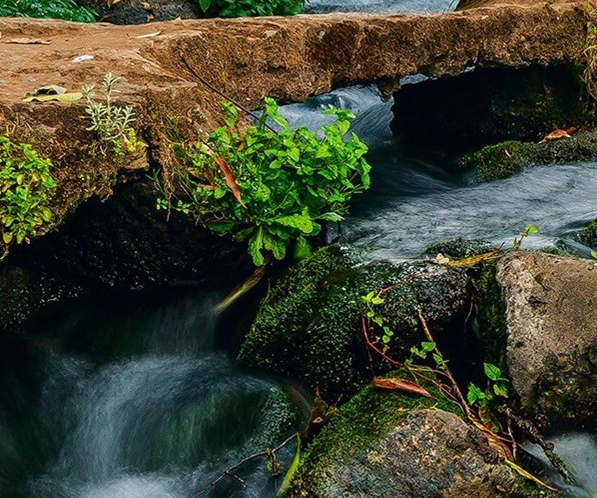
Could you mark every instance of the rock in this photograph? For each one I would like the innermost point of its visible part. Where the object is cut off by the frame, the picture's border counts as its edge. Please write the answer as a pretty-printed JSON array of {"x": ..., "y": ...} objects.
[
  {"x": 134, "y": 12},
  {"x": 387, "y": 444},
  {"x": 126, "y": 243},
  {"x": 551, "y": 317},
  {"x": 507, "y": 159},
  {"x": 309, "y": 326}
]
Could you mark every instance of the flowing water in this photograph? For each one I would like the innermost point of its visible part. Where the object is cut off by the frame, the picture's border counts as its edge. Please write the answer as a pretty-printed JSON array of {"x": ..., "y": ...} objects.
[
  {"x": 419, "y": 197},
  {"x": 379, "y": 6},
  {"x": 161, "y": 417}
]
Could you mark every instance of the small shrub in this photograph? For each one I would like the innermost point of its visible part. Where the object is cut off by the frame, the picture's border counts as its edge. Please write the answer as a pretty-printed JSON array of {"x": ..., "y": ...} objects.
[
  {"x": 25, "y": 182},
  {"x": 111, "y": 122},
  {"x": 268, "y": 187},
  {"x": 250, "y": 8},
  {"x": 53, "y": 9}
]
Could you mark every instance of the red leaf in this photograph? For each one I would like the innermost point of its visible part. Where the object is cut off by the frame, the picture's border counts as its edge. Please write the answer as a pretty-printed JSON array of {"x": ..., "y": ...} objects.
[
  {"x": 401, "y": 385},
  {"x": 230, "y": 179}
]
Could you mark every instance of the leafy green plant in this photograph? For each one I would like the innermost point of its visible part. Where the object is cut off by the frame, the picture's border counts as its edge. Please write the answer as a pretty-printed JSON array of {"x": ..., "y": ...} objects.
[
  {"x": 111, "y": 122},
  {"x": 53, "y": 9},
  {"x": 266, "y": 187},
  {"x": 496, "y": 387},
  {"x": 25, "y": 183},
  {"x": 250, "y": 8},
  {"x": 528, "y": 230},
  {"x": 373, "y": 300}
]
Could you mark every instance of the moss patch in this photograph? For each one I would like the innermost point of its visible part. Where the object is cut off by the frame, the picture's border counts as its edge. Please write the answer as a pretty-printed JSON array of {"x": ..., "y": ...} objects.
[
  {"x": 491, "y": 316},
  {"x": 509, "y": 158}
]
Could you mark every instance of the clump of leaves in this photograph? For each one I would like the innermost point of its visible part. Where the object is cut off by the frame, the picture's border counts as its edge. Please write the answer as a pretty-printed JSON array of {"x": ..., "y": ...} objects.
[
  {"x": 496, "y": 387},
  {"x": 25, "y": 183},
  {"x": 112, "y": 123},
  {"x": 52, "y": 9},
  {"x": 270, "y": 188},
  {"x": 250, "y": 8}
]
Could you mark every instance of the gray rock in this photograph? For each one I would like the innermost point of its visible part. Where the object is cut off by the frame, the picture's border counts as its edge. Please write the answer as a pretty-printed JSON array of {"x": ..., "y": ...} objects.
[{"x": 551, "y": 316}]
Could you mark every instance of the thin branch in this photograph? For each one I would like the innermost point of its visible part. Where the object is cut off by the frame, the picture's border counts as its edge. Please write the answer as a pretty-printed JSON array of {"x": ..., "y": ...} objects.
[
  {"x": 229, "y": 471},
  {"x": 248, "y": 112}
]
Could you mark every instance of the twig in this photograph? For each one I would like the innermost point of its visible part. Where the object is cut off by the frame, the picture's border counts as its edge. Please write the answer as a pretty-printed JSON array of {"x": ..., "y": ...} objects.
[
  {"x": 229, "y": 471},
  {"x": 220, "y": 93}
]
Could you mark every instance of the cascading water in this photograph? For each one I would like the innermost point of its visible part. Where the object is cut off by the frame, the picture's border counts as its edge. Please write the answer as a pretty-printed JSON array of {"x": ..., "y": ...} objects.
[{"x": 162, "y": 418}]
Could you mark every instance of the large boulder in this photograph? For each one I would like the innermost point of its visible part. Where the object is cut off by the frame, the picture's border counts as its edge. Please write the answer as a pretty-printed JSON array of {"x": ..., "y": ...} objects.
[
  {"x": 551, "y": 317},
  {"x": 388, "y": 444}
]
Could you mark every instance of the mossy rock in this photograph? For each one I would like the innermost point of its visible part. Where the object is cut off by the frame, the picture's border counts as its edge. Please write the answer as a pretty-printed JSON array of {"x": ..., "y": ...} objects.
[
  {"x": 388, "y": 443},
  {"x": 309, "y": 326},
  {"x": 506, "y": 159},
  {"x": 459, "y": 248},
  {"x": 588, "y": 235}
]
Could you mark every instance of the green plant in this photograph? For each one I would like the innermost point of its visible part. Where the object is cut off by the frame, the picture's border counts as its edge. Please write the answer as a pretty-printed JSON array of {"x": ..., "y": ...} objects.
[
  {"x": 496, "y": 386},
  {"x": 249, "y": 8},
  {"x": 54, "y": 9},
  {"x": 25, "y": 182},
  {"x": 528, "y": 230},
  {"x": 373, "y": 300},
  {"x": 266, "y": 187},
  {"x": 112, "y": 123}
]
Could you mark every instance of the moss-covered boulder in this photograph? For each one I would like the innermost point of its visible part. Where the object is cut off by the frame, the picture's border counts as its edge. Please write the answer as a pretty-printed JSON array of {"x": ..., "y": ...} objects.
[
  {"x": 507, "y": 159},
  {"x": 391, "y": 444},
  {"x": 309, "y": 326}
]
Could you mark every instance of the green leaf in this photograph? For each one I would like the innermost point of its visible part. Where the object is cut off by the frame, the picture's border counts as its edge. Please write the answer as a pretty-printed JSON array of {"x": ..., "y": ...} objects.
[
  {"x": 255, "y": 247},
  {"x": 7, "y": 237},
  {"x": 204, "y": 4},
  {"x": 427, "y": 346},
  {"x": 474, "y": 394},
  {"x": 302, "y": 248},
  {"x": 230, "y": 114},
  {"x": 500, "y": 390},
  {"x": 531, "y": 229},
  {"x": 298, "y": 221},
  {"x": 491, "y": 371},
  {"x": 330, "y": 216}
]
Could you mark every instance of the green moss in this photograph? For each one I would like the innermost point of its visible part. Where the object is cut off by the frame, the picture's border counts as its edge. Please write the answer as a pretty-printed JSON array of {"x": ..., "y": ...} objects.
[
  {"x": 309, "y": 325},
  {"x": 459, "y": 248},
  {"x": 491, "y": 316},
  {"x": 588, "y": 235},
  {"x": 507, "y": 159}
]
